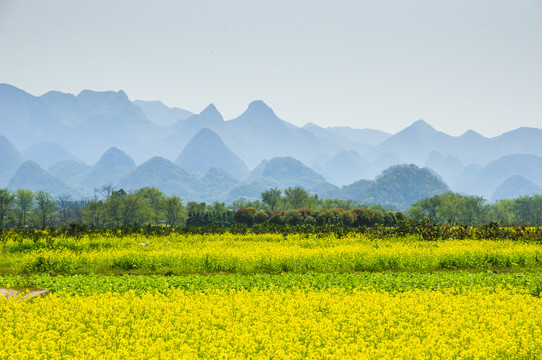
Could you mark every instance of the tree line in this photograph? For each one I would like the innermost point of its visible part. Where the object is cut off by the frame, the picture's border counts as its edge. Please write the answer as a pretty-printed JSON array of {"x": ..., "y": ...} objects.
[
  {"x": 24, "y": 208},
  {"x": 457, "y": 209},
  {"x": 294, "y": 206},
  {"x": 149, "y": 206}
]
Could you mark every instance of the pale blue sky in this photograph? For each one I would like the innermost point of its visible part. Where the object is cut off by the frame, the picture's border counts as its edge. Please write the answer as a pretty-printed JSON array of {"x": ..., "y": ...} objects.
[{"x": 457, "y": 64}]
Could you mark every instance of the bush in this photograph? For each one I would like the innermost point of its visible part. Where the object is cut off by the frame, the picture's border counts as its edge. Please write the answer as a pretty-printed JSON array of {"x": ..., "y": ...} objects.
[
  {"x": 244, "y": 216},
  {"x": 293, "y": 217},
  {"x": 335, "y": 216},
  {"x": 261, "y": 217}
]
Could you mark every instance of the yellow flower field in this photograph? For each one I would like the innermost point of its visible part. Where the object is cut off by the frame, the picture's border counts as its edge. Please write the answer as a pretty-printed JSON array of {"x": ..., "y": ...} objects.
[
  {"x": 269, "y": 254},
  {"x": 475, "y": 323}
]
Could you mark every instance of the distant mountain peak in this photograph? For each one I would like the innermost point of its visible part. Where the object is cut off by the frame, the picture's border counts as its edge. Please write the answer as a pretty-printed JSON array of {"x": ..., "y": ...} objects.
[
  {"x": 206, "y": 150},
  {"x": 471, "y": 134},
  {"x": 514, "y": 187},
  {"x": 115, "y": 157},
  {"x": 421, "y": 125},
  {"x": 113, "y": 150},
  {"x": 207, "y": 135},
  {"x": 31, "y": 176},
  {"x": 91, "y": 96},
  {"x": 258, "y": 104},
  {"x": 211, "y": 112},
  {"x": 259, "y": 109},
  {"x": 289, "y": 171}
]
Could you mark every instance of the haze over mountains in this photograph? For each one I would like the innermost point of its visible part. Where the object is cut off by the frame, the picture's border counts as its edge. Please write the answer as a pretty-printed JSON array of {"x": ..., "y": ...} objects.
[{"x": 64, "y": 143}]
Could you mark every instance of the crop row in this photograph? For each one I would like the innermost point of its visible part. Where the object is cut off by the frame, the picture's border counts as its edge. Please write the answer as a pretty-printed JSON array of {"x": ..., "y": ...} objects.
[{"x": 387, "y": 281}]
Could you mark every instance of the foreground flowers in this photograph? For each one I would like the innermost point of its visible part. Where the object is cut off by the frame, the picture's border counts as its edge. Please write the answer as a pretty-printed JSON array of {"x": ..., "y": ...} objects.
[{"x": 475, "y": 323}]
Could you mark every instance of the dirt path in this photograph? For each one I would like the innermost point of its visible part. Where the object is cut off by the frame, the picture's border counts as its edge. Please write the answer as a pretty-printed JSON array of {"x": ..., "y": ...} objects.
[{"x": 11, "y": 293}]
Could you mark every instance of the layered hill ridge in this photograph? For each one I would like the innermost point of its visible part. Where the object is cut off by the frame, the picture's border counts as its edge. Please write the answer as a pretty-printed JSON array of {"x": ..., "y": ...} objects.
[
  {"x": 206, "y": 150},
  {"x": 258, "y": 134},
  {"x": 31, "y": 176},
  {"x": 73, "y": 173},
  {"x": 47, "y": 153},
  {"x": 514, "y": 187},
  {"x": 87, "y": 125},
  {"x": 288, "y": 171},
  {"x": 162, "y": 174},
  {"x": 486, "y": 180},
  {"x": 112, "y": 166},
  {"x": 10, "y": 160},
  {"x": 160, "y": 114}
]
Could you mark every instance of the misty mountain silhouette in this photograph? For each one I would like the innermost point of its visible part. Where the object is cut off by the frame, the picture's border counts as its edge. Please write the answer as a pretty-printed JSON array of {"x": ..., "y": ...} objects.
[
  {"x": 31, "y": 176},
  {"x": 207, "y": 150},
  {"x": 10, "y": 160},
  {"x": 56, "y": 127}
]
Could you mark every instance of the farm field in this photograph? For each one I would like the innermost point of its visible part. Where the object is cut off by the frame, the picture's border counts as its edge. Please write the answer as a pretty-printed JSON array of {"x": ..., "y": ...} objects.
[
  {"x": 272, "y": 296},
  {"x": 268, "y": 253}
]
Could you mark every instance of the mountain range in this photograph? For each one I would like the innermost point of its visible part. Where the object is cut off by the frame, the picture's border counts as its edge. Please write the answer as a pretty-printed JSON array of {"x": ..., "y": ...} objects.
[{"x": 96, "y": 138}]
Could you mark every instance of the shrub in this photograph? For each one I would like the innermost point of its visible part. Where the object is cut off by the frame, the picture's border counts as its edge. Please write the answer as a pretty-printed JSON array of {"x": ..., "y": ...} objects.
[{"x": 244, "y": 216}]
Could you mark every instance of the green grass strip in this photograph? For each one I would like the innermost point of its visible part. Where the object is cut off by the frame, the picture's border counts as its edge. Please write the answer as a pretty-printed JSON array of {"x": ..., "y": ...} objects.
[{"x": 387, "y": 281}]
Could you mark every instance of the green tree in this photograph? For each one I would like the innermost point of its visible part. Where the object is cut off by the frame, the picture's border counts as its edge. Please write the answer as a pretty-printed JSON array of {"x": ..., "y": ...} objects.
[
  {"x": 64, "y": 202},
  {"x": 174, "y": 210},
  {"x": 430, "y": 206},
  {"x": 136, "y": 210},
  {"x": 449, "y": 208},
  {"x": 94, "y": 213},
  {"x": 471, "y": 209},
  {"x": 23, "y": 205},
  {"x": 296, "y": 198},
  {"x": 327, "y": 204},
  {"x": 504, "y": 212},
  {"x": 218, "y": 207},
  {"x": 529, "y": 209},
  {"x": 154, "y": 198},
  {"x": 46, "y": 207},
  {"x": 271, "y": 198},
  {"x": 194, "y": 207},
  {"x": 6, "y": 201},
  {"x": 113, "y": 208}
]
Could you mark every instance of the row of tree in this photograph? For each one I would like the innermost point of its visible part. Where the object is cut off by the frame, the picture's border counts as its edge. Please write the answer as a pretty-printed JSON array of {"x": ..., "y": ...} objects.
[
  {"x": 149, "y": 206},
  {"x": 349, "y": 218},
  {"x": 454, "y": 209},
  {"x": 145, "y": 206},
  {"x": 294, "y": 198},
  {"x": 24, "y": 207}
]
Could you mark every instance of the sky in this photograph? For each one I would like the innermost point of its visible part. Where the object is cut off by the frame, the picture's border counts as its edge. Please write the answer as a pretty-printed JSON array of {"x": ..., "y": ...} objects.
[{"x": 457, "y": 64}]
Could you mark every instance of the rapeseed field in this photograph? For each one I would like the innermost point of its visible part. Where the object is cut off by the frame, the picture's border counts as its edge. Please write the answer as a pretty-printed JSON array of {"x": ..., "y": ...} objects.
[
  {"x": 479, "y": 323},
  {"x": 272, "y": 297}
]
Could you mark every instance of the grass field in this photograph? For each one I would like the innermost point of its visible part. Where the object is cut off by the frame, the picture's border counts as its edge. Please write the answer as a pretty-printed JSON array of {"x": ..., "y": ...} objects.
[{"x": 272, "y": 296}]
